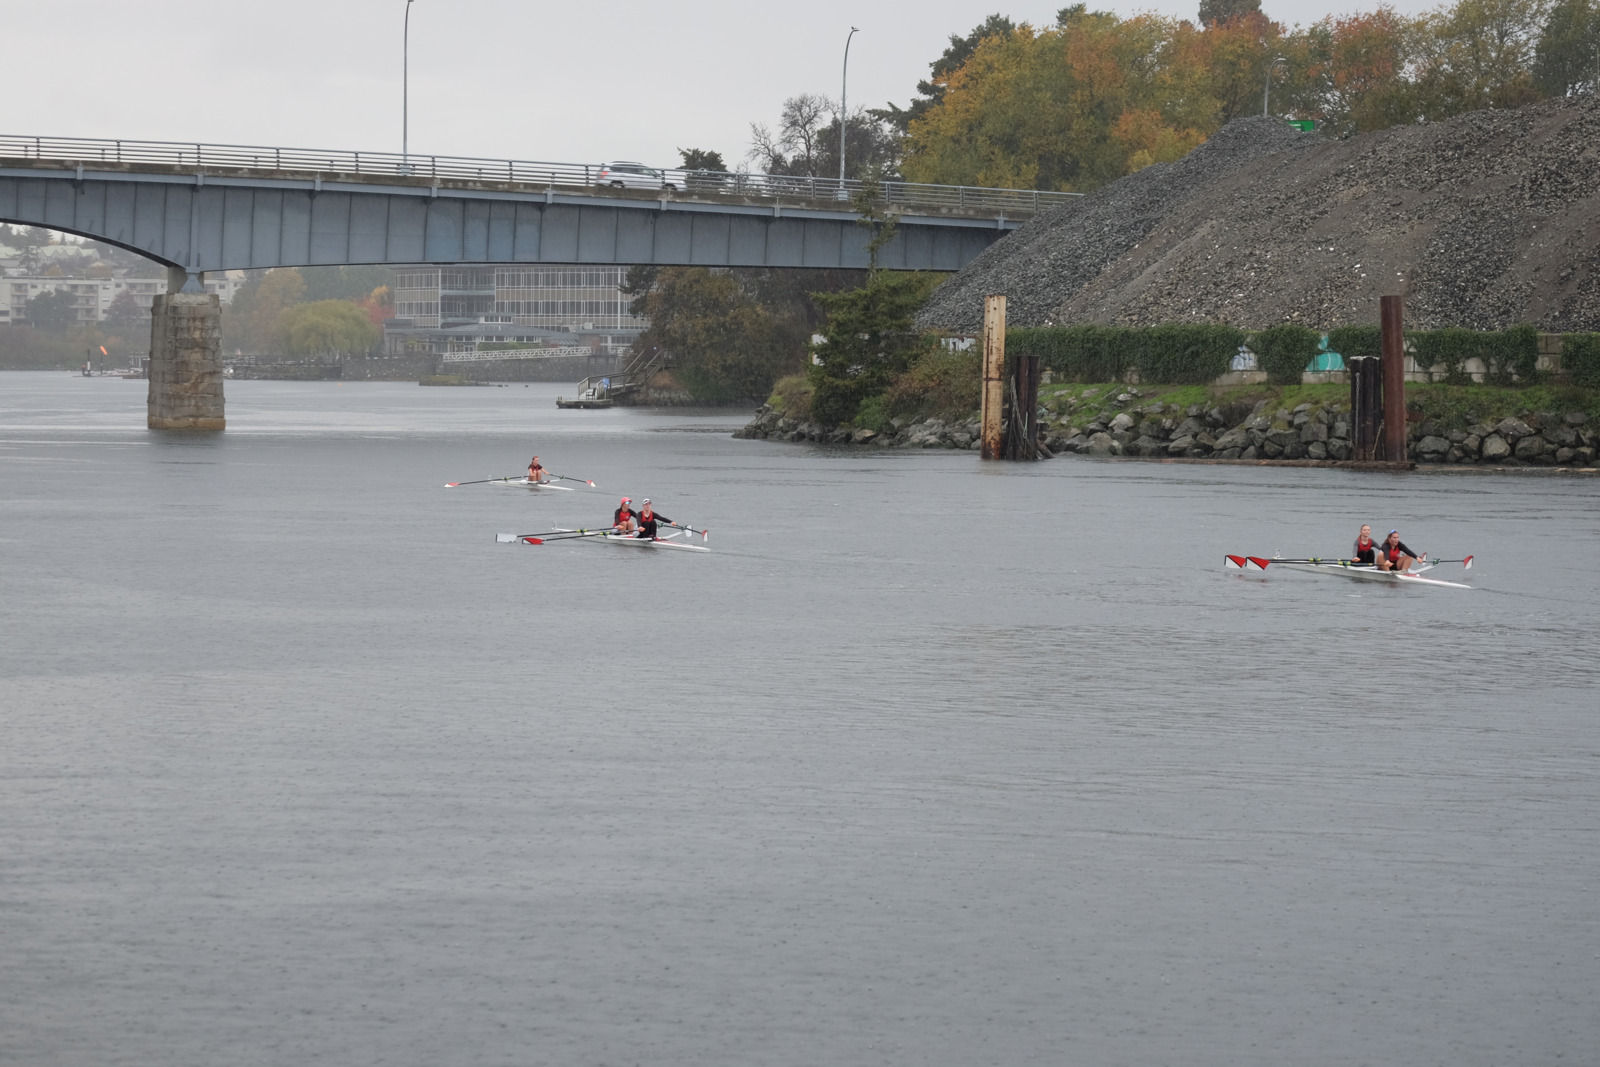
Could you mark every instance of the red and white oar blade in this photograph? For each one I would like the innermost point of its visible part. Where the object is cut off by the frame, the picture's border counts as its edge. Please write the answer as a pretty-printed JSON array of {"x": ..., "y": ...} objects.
[
  {"x": 1233, "y": 563},
  {"x": 1468, "y": 563},
  {"x": 1257, "y": 563},
  {"x": 451, "y": 485},
  {"x": 533, "y": 540}
]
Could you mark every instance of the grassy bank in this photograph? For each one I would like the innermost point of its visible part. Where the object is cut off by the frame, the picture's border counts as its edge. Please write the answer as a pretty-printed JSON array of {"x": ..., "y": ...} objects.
[{"x": 946, "y": 386}]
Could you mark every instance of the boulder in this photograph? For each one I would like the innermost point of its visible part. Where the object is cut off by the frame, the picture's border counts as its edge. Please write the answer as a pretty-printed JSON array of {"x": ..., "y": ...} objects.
[
  {"x": 1300, "y": 419},
  {"x": 1122, "y": 422},
  {"x": 1205, "y": 441},
  {"x": 1226, "y": 453},
  {"x": 1513, "y": 429},
  {"x": 1147, "y": 446},
  {"x": 1101, "y": 444},
  {"x": 1341, "y": 428},
  {"x": 1313, "y": 431},
  {"x": 1283, "y": 438},
  {"x": 1455, "y": 437},
  {"x": 1532, "y": 447},
  {"x": 1294, "y": 450},
  {"x": 1189, "y": 427},
  {"x": 1495, "y": 448},
  {"x": 1584, "y": 457},
  {"x": 1316, "y": 450},
  {"x": 863, "y": 436},
  {"x": 1235, "y": 438},
  {"x": 1260, "y": 423},
  {"x": 1180, "y": 445},
  {"x": 1338, "y": 449},
  {"x": 1433, "y": 448},
  {"x": 1430, "y": 428},
  {"x": 1250, "y": 453},
  {"x": 1562, "y": 436},
  {"x": 1271, "y": 450},
  {"x": 1075, "y": 443},
  {"x": 1565, "y": 456},
  {"x": 1576, "y": 418},
  {"x": 1470, "y": 445},
  {"x": 1480, "y": 430}
]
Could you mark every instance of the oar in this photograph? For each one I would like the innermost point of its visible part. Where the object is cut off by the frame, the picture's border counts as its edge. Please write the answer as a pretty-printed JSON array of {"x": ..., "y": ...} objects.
[
  {"x": 1246, "y": 563},
  {"x": 705, "y": 535},
  {"x": 481, "y": 481},
  {"x": 539, "y": 539},
  {"x": 564, "y": 478}
]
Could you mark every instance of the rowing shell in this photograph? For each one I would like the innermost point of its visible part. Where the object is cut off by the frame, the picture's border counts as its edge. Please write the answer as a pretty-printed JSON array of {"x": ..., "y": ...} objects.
[
  {"x": 664, "y": 541},
  {"x": 523, "y": 483},
  {"x": 1373, "y": 574}
]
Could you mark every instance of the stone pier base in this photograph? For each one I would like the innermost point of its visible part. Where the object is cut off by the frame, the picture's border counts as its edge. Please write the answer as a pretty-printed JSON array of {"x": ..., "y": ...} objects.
[{"x": 186, "y": 363}]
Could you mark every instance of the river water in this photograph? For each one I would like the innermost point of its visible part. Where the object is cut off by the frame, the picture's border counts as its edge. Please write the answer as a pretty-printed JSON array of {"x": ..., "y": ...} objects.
[{"x": 928, "y": 762}]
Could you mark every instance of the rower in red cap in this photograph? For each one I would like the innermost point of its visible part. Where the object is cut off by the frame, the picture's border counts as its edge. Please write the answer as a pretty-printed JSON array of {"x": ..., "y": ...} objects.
[{"x": 622, "y": 521}]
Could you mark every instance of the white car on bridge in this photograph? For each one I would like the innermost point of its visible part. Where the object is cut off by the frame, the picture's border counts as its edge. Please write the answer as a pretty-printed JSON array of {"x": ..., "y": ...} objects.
[{"x": 625, "y": 175}]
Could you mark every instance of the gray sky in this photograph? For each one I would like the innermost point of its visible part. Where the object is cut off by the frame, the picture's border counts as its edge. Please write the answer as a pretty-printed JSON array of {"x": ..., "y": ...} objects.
[{"x": 564, "y": 82}]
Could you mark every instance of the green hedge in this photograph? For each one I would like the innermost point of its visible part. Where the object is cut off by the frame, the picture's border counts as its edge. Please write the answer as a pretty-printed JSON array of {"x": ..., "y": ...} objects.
[
  {"x": 1196, "y": 354},
  {"x": 1580, "y": 358},
  {"x": 1177, "y": 354},
  {"x": 1285, "y": 351},
  {"x": 1508, "y": 355},
  {"x": 1356, "y": 342}
]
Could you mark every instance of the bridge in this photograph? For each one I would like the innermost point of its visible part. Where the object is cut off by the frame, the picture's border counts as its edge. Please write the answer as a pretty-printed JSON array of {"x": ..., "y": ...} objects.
[{"x": 200, "y": 207}]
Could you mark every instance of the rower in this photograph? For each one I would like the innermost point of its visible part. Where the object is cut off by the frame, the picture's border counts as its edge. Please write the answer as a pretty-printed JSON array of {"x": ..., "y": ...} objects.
[
  {"x": 536, "y": 473},
  {"x": 648, "y": 519},
  {"x": 1366, "y": 550},
  {"x": 1394, "y": 554},
  {"x": 622, "y": 520}
]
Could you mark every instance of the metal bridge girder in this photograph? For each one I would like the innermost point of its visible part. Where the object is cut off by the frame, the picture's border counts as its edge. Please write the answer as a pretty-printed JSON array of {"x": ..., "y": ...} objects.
[{"x": 206, "y": 222}]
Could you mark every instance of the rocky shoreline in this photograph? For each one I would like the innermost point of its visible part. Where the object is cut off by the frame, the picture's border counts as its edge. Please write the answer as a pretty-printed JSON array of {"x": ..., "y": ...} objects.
[{"x": 1259, "y": 432}]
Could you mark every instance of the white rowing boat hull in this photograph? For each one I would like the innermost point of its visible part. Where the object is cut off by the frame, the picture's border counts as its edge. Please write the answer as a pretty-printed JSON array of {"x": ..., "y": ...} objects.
[
  {"x": 666, "y": 541},
  {"x": 523, "y": 483},
  {"x": 1373, "y": 574}
]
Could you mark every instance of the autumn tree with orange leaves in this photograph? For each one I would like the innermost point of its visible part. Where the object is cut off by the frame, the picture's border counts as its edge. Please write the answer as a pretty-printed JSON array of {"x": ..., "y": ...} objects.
[{"x": 1093, "y": 97}]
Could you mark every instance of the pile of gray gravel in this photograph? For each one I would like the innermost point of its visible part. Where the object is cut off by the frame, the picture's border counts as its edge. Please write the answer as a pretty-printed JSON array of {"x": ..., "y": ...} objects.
[
  {"x": 1485, "y": 221},
  {"x": 1050, "y": 258}
]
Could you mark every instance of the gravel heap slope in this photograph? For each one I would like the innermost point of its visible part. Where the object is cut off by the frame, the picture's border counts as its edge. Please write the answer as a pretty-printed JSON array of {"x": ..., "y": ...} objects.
[{"x": 1485, "y": 221}]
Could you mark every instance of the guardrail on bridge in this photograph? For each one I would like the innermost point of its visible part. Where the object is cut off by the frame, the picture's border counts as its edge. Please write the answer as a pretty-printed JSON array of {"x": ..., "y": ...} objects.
[{"x": 88, "y": 150}]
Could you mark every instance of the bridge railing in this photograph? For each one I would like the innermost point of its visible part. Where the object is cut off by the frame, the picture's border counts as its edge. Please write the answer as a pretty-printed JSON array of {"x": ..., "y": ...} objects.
[
  {"x": 86, "y": 150},
  {"x": 486, "y": 356}
]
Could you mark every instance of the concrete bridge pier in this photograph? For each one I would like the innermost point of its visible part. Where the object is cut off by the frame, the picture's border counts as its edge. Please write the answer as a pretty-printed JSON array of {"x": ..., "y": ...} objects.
[{"x": 185, "y": 357}]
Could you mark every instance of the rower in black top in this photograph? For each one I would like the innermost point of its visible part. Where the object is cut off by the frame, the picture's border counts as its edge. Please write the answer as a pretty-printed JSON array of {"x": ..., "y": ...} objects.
[
  {"x": 647, "y": 521},
  {"x": 1366, "y": 548},
  {"x": 1395, "y": 555}
]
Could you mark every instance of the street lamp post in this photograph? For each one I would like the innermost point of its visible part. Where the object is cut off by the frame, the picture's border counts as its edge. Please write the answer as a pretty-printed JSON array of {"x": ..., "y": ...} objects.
[
  {"x": 405, "y": 95},
  {"x": 1266, "y": 90},
  {"x": 844, "y": 110}
]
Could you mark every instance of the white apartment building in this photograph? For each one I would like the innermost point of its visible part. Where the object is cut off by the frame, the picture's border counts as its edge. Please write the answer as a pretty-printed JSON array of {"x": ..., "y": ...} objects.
[{"x": 93, "y": 297}]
